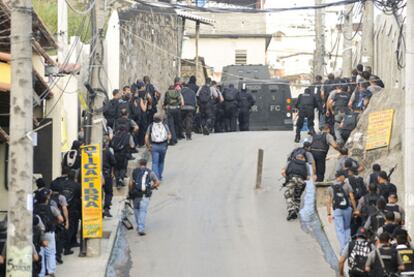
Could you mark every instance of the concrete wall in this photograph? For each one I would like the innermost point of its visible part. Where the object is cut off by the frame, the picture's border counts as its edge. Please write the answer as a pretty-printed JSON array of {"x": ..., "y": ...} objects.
[
  {"x": 219, "y": 52},
  {"x": 3, "y": 192},
  {"x": 150, "y": 43}
]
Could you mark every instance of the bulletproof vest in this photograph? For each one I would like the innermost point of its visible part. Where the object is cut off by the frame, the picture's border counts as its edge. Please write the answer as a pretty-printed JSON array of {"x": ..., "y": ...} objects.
[
  {"x": 306, "y": 101},
  {"x": 407, "y": 257},
  {"x": 350, "y": 122},
  {"x": 390, "y": 228},
  {"x": 341, "y": 100},
  {"x": 189, "y": 97},
  {"x": 297, "y": 167},
  {"x": 389, "y": 257},
  {"x": 122, "y": 125},
  {"x": 319, "y": 142},
  {"x": 45, "y": 213},
  {"x": 392, "y": 208},
  {"x": 371, "y": 199}
]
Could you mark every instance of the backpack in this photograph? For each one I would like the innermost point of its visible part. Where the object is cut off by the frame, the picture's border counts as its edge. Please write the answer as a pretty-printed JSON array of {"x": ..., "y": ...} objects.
[
  {"x": 296, "y": 152},
  {"x": 340, "y": 199},
  {"x": 158, "y": 132},
  {"x": 358, "y": 255},
  {"x": 172, "y": 98},
  {"x": 70, "y": 158},
  {"x": 45, "y": 213},
  {"x": 205, "y": 95},
  {"x": 120, "y": 141},
  {"x": 111, "y": 109},
  {"x": 377, "y": 221},
  {"x": 358, "y": 185},
  {"x": 369, "y": 206},
  {"x": 230, "y": 95},
  {"x": 142, "y": 183}
]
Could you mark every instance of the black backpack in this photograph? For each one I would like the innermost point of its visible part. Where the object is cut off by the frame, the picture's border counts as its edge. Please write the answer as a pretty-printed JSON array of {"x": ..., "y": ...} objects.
[
  {"x": 358, "y": 186},
  {"x": 296, "y": 152},
  {"x": 69, "y": 194},
  {"x": 230, "y": 94},
  {"x": 377, "y": 221},
  {"x": 141, "y": 176},
  {"x": 358, "y": 255},
  {"x": 111, "y": 109},
  {"x": 120, "y": 141},
  {"x": 369, "y": 206},
  {"x": 340, "y": 199},
  {"x": 45, "y": 213},
  {"x": 204, "y": 97}
]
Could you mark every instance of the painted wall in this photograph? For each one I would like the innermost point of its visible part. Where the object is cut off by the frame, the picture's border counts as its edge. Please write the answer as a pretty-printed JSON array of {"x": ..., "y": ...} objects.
[
  {"x": 112, "y": 53},
  {"x": 219, "y": 52}
]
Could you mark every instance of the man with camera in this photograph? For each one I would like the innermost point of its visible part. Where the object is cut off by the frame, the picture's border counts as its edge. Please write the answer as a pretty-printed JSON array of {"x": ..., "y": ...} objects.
[{"x": 142, "y": 183}]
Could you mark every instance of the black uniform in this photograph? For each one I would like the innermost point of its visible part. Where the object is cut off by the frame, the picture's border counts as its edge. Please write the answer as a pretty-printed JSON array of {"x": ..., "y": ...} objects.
[
  {"x": 230, "y": 108},
  {"x": 108, "y": 162},
  {"x": 296, "y": 173},
  {"x": 150, "y": 89},
  {"x": 120, "y": 144},
  {"x": 319, "y": 150},
  {"x": 188, "y": 110},
  {"x": 111, "y": 111},
  {"x": 206, "y": 104},
  {"x": 245, "y": 102},
  {"x": 306, "y": 105}
]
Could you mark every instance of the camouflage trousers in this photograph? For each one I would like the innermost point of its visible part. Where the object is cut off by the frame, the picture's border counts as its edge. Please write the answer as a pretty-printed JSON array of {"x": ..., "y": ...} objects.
[{"x": 293, "y": 192}]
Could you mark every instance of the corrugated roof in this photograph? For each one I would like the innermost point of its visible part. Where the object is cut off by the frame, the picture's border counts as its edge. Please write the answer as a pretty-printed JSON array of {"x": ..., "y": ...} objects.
[{"x": 195, "y": 17}]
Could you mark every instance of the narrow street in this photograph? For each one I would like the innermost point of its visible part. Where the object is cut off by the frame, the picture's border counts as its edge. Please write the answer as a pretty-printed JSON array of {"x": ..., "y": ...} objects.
[{"x": 208, "y": 220}]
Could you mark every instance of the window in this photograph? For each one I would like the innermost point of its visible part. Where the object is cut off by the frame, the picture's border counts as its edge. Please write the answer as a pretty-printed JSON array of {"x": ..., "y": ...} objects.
[{"x": 241, "y": 57}]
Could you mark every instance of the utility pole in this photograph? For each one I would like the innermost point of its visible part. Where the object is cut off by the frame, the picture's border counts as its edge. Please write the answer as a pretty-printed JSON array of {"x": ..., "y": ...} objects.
[
  {"x": 19, "y": 231},
  {"x": 319, "y": 54},
  {"x": 347, "y": 30},
  {"x": 409, "y": 119},
  {"x": 197, "y": 58},
  {"x": 96, "y": 100},
  {"x": 368, "y": 34}
]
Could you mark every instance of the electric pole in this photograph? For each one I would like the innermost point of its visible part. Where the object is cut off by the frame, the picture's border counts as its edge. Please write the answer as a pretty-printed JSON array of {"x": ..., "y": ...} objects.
[
  {"x": 347, "y": 30},
  {"x": 19, "y": 231},
  {"x": 319, "y": 54},
  {"x": 368, "y": 35},
  {"x": 409, "y": 119},
  {"x": 96, "y": 100}
]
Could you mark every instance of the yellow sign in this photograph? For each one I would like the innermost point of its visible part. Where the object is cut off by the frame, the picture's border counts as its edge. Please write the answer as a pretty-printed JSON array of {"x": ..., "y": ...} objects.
[
  {"x": 379, "y": 129},
  {"x": 91, "y": 191}
]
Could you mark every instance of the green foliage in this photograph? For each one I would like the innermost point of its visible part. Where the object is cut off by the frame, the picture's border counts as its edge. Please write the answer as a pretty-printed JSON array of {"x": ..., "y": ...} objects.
[{"x": 47, "y": 11}]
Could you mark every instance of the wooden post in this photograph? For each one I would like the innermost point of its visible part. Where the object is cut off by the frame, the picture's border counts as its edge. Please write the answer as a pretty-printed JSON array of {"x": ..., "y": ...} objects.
[{"x": 259, "y": 169}]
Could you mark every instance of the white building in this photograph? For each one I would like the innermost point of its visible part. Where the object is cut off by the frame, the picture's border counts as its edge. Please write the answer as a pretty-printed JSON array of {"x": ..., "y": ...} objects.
[{"x": 235, "y": 38}]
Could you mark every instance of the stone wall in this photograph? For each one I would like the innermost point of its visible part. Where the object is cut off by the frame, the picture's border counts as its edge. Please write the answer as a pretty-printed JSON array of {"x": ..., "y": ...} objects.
[{"x": 150, "y": 43}]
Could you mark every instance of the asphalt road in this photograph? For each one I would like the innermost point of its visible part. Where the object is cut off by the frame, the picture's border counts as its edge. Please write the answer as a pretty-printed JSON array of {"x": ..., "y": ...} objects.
[{"x": 208, "y": 220}]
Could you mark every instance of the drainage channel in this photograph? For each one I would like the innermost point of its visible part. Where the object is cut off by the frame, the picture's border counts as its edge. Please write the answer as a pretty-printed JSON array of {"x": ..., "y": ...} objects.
[
  {"x": 120, "y": 262},
  {"x": 312, "y": 225}
]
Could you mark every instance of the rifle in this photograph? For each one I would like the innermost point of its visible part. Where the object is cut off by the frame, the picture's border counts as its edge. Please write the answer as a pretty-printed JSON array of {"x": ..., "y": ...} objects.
[{"x": 391, "y": 172}]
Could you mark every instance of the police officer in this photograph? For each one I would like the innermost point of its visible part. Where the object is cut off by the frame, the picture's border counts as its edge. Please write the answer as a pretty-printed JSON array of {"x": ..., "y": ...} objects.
[
  {"x": 111, "y": 108},
  {"x": 296, "y": 173},
  {"x": 230, "y": 108},
  {"x": 319, "y": 149},
  {"x": 338, "y": 106},
  {"x": 306, "y": 105},
  {"x": 207, "y": 96},
  {"x": 173, "y": 101},
  {"x": 245, "y": 102},
  {"x": 108, "y": 163},
  {"x": 406, "y": 253},
  {"x": 188, "y": 110}
]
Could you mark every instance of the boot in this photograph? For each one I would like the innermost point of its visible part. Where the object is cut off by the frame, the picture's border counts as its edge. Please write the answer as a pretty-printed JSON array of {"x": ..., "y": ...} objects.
[
  {"x": 291, "y": 216},
  {"x": 297, "y": 138},
  {"x": 107, "y": 213}
]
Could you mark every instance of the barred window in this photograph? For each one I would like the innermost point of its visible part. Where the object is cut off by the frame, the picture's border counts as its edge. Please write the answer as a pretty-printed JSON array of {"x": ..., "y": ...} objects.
[{"x": 241, "y": 57}]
